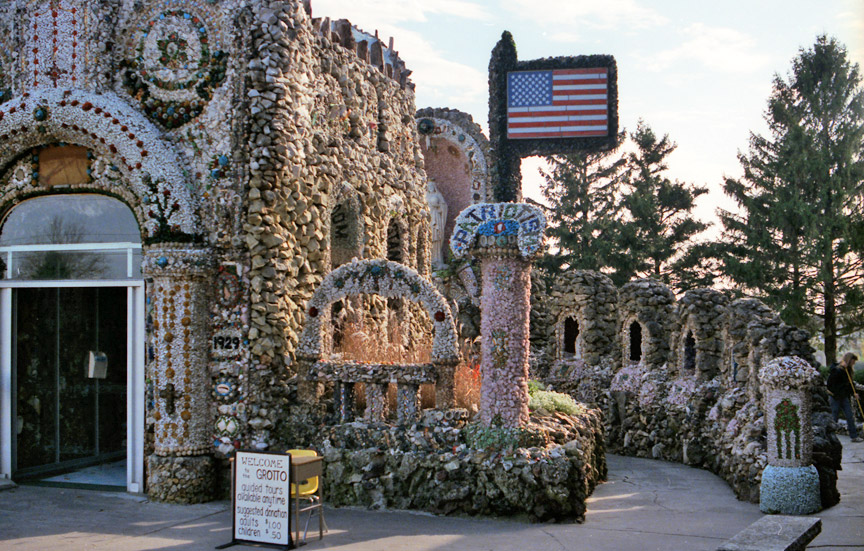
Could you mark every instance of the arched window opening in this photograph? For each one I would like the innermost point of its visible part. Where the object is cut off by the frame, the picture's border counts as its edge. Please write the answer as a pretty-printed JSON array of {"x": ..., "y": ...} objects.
[
  {"x": 80, "y": 236},
  {"x": 635, "y": 342},
  {"x": 345, "y": 234},
  {"x": 571, "y": 335},
  {"x": 338, "y": 319},
  {"x": 394, "y": 242},
  {"x": 689, "y": 363}
]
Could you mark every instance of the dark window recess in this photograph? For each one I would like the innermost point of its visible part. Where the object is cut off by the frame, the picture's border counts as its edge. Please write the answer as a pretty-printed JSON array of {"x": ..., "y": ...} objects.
[
  {"x": 394, "y": 242},
  {"x": 689, "y": 352},
  {"x": 338, "y": 320},
  {"x": 635, "y": 342},
  {"x": 571, "y": 333}
]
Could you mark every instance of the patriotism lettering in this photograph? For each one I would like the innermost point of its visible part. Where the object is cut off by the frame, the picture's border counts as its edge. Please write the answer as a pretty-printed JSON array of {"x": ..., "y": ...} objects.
[{"x": 499, "y": 219}]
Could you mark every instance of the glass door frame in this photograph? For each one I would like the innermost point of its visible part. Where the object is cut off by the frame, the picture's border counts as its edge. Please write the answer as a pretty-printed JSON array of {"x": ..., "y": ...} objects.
[{"x": 135, "y": 380}]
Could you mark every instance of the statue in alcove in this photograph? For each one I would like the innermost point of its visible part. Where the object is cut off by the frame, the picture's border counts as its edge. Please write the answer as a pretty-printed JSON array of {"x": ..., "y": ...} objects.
[{"x": 438, "y": 216}]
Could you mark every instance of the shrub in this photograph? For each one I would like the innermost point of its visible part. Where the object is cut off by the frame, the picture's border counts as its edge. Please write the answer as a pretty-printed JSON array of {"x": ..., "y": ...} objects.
[
  {"x": 495, "y": 437},
  {"x": 554, "y": 401},
  {"x": 534, "y": 386}
]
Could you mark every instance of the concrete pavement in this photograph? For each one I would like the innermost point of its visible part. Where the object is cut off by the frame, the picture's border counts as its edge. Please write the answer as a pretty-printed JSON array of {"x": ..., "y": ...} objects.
[{"x": 646, "y": 505}]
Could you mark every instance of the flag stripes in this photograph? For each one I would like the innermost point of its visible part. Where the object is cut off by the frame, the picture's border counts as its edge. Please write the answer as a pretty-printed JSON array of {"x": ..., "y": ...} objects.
[{"x": 559, "y": 103}]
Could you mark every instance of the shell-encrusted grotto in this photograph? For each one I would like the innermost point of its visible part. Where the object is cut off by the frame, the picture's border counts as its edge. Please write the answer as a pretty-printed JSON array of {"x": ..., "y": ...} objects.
[{"x": 244, "y": 235}]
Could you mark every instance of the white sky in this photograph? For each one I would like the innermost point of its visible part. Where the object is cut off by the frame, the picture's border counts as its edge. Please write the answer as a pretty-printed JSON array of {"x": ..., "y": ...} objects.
[{"x": 699, "y": 71}]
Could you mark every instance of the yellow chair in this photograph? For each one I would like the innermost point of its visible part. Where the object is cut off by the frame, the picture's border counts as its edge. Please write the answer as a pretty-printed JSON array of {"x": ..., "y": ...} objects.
[{"x": 308, "y": 491}]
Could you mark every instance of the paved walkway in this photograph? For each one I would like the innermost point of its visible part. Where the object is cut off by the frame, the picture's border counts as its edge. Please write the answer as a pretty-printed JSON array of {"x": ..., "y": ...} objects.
[{"x": 646, "y": 505}]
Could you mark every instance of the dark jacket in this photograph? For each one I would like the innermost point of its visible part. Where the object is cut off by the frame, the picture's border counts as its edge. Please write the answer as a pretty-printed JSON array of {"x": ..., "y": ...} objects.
[{"x": 838, "y": 383}]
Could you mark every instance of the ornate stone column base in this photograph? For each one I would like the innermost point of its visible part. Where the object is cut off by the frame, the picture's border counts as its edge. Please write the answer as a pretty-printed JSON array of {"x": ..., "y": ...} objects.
[
  {"x": 185, "y": 479},
  {"x": 789, "y": 490}
]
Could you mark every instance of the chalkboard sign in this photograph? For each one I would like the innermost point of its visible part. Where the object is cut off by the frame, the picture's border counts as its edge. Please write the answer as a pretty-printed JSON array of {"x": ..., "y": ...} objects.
[{"x": 261, "y": 499}]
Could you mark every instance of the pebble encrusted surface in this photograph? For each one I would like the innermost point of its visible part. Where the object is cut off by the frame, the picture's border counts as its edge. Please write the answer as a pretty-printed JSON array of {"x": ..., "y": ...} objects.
[
  {"x": 428, "y": 466},
  {"x": 790, "y": 490},
  {"x": 181, "y": 479},
  {"x": 706, "y": 414},
  {"x": 239, "y": 125}
]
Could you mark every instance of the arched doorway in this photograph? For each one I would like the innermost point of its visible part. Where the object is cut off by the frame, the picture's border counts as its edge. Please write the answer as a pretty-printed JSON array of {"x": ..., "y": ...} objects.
[{"x": 72, "y": 341}]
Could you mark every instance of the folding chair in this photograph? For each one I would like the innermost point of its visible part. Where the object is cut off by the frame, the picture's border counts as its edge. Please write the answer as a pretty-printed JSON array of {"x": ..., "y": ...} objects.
[{"x": 308, "y": 491}]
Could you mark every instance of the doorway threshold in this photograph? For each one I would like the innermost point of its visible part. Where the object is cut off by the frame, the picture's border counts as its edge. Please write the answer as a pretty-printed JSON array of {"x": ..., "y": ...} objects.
[{"x": 109, "y": 477}]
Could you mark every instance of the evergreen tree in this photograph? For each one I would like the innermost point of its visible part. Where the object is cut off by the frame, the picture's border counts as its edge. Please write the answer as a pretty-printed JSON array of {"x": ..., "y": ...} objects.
[
  {"x": 583, "y": 190},
  {"x": 794, "y": 240},
  {"x": 656, "y": 236}
]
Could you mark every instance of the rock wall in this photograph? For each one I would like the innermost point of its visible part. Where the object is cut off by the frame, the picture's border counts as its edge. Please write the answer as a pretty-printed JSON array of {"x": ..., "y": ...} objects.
[
  {"x": 247, "y": 127},
  {"x": 575, "y": 335},
  {"x": 686, "y": 390},
  {"x": 429, "y": 466}
]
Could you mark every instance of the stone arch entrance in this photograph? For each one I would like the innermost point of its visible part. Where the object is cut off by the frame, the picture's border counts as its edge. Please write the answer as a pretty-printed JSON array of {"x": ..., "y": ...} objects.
[
  {"x": 129, "y": 160},
  {"x": 389, "y": 280}
]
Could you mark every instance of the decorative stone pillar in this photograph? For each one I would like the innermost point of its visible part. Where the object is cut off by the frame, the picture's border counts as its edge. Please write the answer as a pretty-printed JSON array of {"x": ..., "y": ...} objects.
[
  {"x": 790, "y": 483},
  {"x": 181, "y": 469},
  {"x": 505, "y": 236}
]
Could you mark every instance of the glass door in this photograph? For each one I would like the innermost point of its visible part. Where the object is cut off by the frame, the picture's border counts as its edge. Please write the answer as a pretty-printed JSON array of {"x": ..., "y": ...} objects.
[{"x": 70, "y": 377}]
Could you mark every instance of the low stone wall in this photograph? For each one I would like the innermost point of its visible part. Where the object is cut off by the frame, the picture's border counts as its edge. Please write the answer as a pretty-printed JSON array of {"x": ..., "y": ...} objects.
[
  {"x": 429, "y": 466},
  {"x": 705, "y": 426}
]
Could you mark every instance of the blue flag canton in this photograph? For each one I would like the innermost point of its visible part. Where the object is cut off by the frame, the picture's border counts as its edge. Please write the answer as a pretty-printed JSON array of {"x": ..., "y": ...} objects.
[{"x": 529, "y": 88}]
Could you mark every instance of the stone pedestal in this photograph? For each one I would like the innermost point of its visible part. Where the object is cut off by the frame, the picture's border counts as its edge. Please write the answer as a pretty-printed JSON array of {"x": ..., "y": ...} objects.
[
  {"x": 179, "y": 373},
  {"x": 790, "y": 483}
]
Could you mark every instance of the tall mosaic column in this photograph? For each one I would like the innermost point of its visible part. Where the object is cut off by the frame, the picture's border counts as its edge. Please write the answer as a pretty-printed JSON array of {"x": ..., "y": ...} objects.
[
  {"x": 505, "y": 236},
  {"x": 181, "y": 470},
  {"x": 790, "y": 482}
]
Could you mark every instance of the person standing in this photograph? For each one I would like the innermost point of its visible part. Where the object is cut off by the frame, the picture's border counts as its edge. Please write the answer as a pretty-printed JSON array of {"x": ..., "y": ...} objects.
[{"x": 842, "y": 392}]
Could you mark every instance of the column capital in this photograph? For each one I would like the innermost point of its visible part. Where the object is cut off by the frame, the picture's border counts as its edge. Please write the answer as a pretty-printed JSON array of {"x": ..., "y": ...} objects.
[
  {"x": 182, "y": 260},
  {"x": 499, "y": 230}
]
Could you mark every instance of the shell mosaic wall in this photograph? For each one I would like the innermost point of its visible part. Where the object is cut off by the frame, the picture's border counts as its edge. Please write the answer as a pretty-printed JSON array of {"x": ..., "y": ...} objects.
[
  {"x": 260, "y": 149},
  {"x": 247, "y": 137},
  {"x": 679, "y": 379}
]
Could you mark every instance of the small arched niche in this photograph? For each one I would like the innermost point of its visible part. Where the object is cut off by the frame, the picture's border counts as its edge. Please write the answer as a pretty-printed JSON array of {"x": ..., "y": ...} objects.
[
  {"x": 688, "y": 353},
  {"x": 346, "y": 235},
  {"x": 635, "y": 339},
  {"x": 571, "y": 347}
]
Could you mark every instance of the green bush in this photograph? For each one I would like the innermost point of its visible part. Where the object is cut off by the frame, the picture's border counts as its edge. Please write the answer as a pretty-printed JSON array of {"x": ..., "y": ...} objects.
[
  {"x": 534, "y": 386},
  {"x": 554, "y": 401},
  {"x": 496, "y": 437}
]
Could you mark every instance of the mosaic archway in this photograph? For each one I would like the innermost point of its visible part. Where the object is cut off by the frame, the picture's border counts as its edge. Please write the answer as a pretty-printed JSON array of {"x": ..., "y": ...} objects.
[
  {"x": 148, "y": 171},
  {"x": 129, "y": 160},
  {"x": 389, "y": 280}
]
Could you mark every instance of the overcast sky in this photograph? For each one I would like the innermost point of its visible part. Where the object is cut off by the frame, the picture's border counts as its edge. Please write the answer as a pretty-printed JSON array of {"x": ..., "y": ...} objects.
[{"x": 699, "y": 71}]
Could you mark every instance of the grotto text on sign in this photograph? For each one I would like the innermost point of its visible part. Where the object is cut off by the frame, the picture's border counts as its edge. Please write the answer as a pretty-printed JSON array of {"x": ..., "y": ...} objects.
[{"x": 262, "y": 497}]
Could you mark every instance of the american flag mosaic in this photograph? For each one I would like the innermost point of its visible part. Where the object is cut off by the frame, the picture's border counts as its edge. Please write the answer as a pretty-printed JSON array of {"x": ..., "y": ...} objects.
[{"x": 561, "y": 103}]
